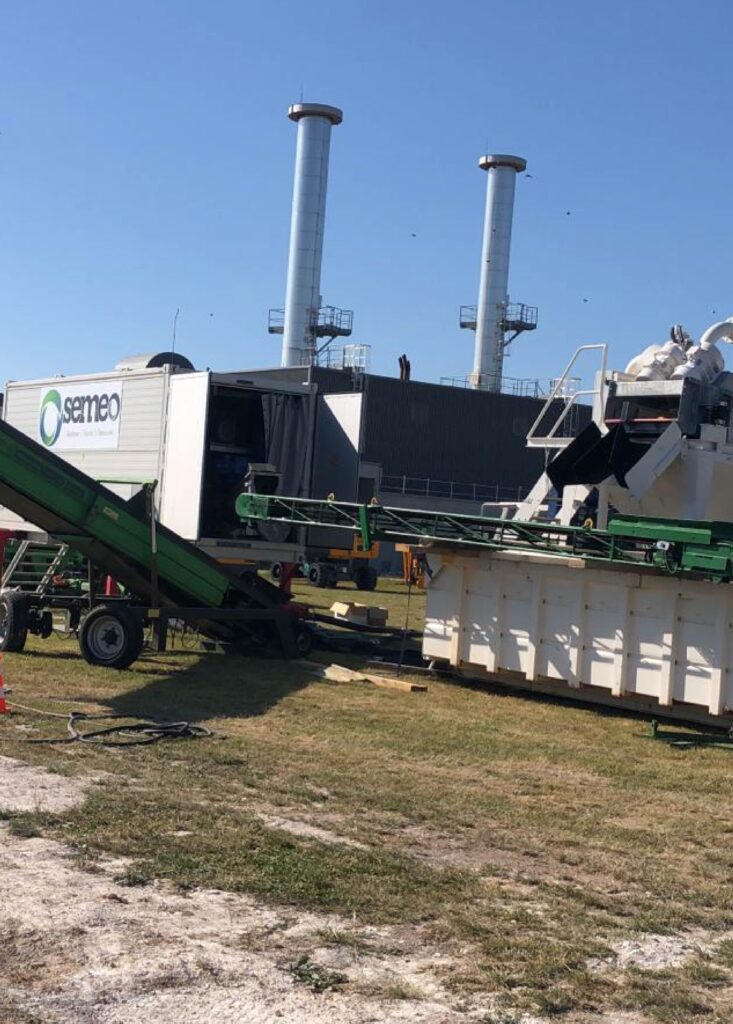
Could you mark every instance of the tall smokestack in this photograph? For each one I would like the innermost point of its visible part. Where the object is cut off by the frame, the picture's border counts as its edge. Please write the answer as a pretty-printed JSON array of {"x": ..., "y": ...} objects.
[
  {"x": 303, "y": 292},
  {"x": 493, "y": 297}
]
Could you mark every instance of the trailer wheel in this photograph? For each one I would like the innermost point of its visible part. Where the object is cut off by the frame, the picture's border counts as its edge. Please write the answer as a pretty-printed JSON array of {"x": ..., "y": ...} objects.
[
  {"x": 13, "y": 621},
  {"x": 365, "y": 577},
  {"x": 304, "y": 641},
  {"x": 111, "y": 637},
  {"x": 319, "y": 575},
  {"x": 276, "y": 571}
]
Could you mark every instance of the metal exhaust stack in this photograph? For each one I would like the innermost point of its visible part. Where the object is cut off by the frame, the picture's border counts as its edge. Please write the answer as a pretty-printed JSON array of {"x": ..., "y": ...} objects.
[
  {"x": 303, "y": 291},
  {"x": 493, "y": 298}
]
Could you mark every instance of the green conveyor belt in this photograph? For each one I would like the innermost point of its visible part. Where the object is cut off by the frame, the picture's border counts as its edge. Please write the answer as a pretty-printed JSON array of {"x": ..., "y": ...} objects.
[
  {"x": 114, "y": 534},
  {"x": 676, "y": 547}
]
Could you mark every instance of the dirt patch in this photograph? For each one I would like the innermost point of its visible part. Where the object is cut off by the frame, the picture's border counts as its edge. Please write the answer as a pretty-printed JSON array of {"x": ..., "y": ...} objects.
[
  {"x": 25, "y": 788},
  {"x": 82, "y": 948},
  {"x": 654, "y": 952},
  {"x": 658, "y": 952},
  {"x": 305, "y": 830},
  {"x": 520, "y": 870}
]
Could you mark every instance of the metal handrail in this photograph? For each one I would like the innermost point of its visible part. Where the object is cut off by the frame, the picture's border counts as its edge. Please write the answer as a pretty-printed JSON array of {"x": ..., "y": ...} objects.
[
  {"x": 327, "y": 316},
  {"x": 520, "y": 387},
  {"x": 513, "y": 312},
  {"x": 344, "y": 357},
  {"x": 452, "y": 489},
  {"x": 332, "y": 316},
  {"x": 520, "y": 312},
  {"x": 556, "y": 392}
]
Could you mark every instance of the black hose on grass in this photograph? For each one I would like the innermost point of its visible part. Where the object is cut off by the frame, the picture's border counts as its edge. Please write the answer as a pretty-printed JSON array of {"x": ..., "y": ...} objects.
[{"x": 133, "y": 734}]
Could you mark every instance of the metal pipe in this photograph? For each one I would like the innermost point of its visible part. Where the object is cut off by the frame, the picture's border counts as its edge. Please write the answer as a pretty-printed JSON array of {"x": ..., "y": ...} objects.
[
  {"x": 722, "y": 331},
  {"x": 303, "y": 290},
  {"x": 704, "y": 361},
  {"x": 494, "y": 279}
]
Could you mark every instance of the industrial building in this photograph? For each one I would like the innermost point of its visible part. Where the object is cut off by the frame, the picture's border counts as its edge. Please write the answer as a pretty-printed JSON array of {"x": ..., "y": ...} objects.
[
  {"x": 417, "y": 440},
  {"x": 321, "y": 421}
]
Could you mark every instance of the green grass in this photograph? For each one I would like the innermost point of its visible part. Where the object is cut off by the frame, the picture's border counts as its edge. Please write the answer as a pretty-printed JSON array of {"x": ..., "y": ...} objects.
[
  {"x": 532, "y": 834},
  {"x": 406, "y": 606}
]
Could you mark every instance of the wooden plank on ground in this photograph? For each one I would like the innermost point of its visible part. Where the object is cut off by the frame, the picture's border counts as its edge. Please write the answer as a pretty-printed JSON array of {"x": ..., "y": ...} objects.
[{"x": 341, "y": 674}]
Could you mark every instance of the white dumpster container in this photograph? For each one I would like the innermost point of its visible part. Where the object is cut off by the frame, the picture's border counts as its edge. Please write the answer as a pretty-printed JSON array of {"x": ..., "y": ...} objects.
[{"x": 612, "y": 636}]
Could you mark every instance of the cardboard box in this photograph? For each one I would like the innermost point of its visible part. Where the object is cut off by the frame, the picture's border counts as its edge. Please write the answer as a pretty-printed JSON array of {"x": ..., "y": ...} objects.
[
  {"x": 363, "y": 614},
  {"x": 351, "y": 611}
]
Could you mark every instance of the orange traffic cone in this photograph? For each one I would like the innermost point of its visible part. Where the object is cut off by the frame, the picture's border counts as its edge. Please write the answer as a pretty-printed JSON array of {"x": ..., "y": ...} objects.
[{"x": 4, "y": 709}]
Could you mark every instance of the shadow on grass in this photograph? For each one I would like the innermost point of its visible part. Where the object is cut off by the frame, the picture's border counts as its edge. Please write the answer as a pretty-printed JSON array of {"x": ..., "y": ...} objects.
[
  {"x": 72, "y": 653},
  {"x": 215, "y": 686},
  {"x": 586, "y": 700}
]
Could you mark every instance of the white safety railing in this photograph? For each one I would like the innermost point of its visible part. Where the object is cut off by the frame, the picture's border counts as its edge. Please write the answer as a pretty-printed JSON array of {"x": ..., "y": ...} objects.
[{"x": 562, "y": 392}]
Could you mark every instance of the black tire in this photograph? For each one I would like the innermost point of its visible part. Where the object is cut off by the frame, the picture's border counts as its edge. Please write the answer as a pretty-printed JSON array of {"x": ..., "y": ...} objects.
[
  {"x": 45, "y": 625},
  {"x": 13, "y": 621},
  {"x": 319, "y": 575},
  {"x": 276, "y": 571},
  {"x": 365, "y": 577},
  {"x": 111, "y": 637},
  {"x": 303, "y": 641}
]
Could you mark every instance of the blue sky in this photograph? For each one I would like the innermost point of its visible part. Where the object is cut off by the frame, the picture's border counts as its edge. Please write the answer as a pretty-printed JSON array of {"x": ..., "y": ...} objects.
[{"x": 146, "y": 164}]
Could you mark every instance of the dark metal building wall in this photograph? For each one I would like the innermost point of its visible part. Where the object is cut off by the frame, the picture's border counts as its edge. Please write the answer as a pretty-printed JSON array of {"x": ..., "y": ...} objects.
[
  {"x": 329, "y": 381},
  {"x": 430, "y": 431},
  {"x": 453, "y": 434}
]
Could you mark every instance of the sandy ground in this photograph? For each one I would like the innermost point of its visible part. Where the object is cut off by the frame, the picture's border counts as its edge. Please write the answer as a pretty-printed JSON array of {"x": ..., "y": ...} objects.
[
  {"x": 85, "y": 948},
  {"x": 79, "y": 947}
]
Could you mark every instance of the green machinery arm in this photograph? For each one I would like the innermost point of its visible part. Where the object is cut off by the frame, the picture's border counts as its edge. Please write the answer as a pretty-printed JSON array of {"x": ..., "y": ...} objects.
[{"x": 705, "y": 549}]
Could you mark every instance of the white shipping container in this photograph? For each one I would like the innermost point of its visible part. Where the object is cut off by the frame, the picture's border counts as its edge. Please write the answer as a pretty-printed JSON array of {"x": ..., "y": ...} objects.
[
  {"x": 136, "y": 454},
  {"x": 194, "y": 433}
]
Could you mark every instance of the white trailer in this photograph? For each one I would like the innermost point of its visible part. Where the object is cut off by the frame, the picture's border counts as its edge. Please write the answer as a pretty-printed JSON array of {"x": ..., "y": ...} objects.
[{"x": 194, "y": 433}]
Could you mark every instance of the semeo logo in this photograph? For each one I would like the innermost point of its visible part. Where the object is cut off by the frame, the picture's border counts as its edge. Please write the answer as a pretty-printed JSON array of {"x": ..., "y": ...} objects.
[
  {"x": 90, "y": 408},
  {"x": 51, "y": 418},
  {"x": 77, "y": 416}
]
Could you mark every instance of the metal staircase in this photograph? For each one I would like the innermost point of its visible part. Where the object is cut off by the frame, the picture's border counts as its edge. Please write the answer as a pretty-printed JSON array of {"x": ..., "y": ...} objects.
[
  {"x": 560, "y": 434},
  {"x": 33, "y": 566}
]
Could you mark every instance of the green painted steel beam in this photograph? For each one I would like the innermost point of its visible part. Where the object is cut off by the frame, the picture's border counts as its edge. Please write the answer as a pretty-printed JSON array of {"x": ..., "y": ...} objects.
[
  {"x": 661, "y": 529},
  {"x": 704, "y": 549}
]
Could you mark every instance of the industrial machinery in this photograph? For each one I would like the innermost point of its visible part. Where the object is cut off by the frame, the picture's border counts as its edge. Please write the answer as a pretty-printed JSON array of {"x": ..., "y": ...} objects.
[
  {"x": 193, "y": 431},
  {"x": 345, "y": 564},
  {"x": 337, "y": 565},
  {"x": 700, "y": 550},
  {"x": 639, "y": 614},
  {"x": 661, "y": 439},
  {"x": 159, "y": 576}
]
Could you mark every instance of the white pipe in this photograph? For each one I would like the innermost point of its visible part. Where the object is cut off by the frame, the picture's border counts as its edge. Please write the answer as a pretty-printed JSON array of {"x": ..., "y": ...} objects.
[
  {"x": 722, "y": 331},
  {"x": 303, "y": 290},
  {"x": 493, "y": 282},
  {"x": 704, "y": 361}
]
